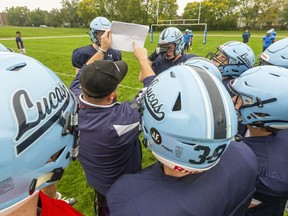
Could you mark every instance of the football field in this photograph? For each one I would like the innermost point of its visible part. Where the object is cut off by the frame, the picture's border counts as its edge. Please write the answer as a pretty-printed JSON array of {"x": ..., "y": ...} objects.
[{"x": 53, "y": 47}]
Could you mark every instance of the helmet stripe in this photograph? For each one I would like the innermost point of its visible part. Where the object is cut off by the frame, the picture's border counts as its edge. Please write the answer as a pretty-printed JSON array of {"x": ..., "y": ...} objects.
[{"x": 219, "y": 113}]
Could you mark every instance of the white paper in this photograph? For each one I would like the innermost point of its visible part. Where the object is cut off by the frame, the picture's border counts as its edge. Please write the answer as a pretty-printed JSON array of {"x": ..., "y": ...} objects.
[{"x": 123, "y": 35}]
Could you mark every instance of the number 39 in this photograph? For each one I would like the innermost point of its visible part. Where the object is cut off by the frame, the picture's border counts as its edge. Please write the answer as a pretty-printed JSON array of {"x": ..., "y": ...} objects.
[{"x": 205, "y": 156}]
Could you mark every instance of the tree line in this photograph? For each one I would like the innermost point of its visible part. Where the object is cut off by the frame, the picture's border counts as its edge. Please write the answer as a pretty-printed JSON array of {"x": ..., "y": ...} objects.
[{"x": 218, "y": 14}]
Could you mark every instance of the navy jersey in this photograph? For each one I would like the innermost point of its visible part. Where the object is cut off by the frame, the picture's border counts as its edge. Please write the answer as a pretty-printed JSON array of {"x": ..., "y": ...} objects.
[
  {"x": 81, "y": 55},
  {"x": 161, "y": 64},
  {"x": 109, "y": 144},
  {"x": 272, "y": 189},
  {"x": 19, "y": 39},
  {"x": 226, "y": 189}
]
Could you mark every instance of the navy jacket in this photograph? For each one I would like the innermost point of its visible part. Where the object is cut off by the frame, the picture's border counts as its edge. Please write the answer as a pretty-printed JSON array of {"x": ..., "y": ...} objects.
[
  {"x": 225, "y": 189},
  {"x": 109, "y": 144}
]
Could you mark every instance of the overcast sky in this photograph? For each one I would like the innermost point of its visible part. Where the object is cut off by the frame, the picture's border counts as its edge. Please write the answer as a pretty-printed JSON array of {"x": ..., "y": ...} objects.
[{"x": 50, "y": 4}]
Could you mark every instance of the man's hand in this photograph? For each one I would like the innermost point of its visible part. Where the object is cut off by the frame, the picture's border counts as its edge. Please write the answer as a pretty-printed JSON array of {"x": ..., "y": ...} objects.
[
  {"x": 106, "y": 40},
  {"x": 140, "y": 53}
]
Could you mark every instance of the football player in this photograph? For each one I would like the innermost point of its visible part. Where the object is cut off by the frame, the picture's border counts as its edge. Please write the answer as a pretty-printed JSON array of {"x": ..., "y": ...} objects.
[
  {"x": 188, "y": 122},
  {"x": 81, "y": 55}
]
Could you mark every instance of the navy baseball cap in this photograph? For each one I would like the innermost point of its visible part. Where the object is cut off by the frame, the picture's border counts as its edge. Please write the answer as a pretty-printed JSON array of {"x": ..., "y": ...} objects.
[{"x": 102, "y": 77}]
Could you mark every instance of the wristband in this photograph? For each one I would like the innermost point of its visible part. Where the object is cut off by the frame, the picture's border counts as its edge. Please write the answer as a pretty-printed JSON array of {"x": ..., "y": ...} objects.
[{"x": 102, "y": 51}]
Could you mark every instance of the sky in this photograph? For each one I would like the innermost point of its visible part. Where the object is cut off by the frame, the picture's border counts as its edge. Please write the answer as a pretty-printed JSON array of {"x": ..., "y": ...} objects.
[{"x": 50, "y": 4}]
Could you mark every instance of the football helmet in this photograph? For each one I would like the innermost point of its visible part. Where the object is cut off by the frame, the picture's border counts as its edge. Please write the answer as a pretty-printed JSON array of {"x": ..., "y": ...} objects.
[
  {"x": 5, "y": 49},
  {"x": 239, "y": 57},
  {"x": 263, "y": 93},
  {"x": 190, "y": 129},
  {"x": 276, "y": 54},
  {"x": 205, "y": 64},
  {"x": 168, "y": 36},
  {"x": 38, "y": 128},
  {"x": 99, "y": 24}
]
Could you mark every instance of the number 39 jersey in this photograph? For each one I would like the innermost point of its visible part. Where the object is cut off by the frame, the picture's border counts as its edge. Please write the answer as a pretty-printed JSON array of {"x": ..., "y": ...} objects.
[{"x": 225, "y": 189}]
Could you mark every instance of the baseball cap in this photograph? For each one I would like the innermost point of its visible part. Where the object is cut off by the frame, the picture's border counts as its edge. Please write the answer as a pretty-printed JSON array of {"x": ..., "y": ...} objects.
[{"x": 101, "y": 78}]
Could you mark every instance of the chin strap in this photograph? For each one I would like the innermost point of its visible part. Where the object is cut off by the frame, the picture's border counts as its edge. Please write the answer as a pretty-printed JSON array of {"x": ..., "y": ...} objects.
[{"x": 53, "y": 176}]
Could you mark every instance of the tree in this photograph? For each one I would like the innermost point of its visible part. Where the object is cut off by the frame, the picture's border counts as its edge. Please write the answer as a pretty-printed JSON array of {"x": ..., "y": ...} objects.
[
  {"x": 54, "y": 18},
  {"x": 17, "y": 16},
  {"x": 87, "y": 10},
  {"x": 69, "y": 13},
  {"x": 37, "y": 17}
]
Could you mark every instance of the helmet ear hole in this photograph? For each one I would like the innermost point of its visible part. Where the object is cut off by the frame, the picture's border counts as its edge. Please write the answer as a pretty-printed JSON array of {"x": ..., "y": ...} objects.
[{"x": 55, "y": 156}]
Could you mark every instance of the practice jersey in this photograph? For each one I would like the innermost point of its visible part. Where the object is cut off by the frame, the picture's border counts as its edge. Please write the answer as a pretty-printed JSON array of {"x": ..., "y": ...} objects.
[
  {"x": 268, "y": 40},
  {"x": 224, "y": 190},
  {"x": 161, "y": 63},
  {"x": 109, "y": 144},
  {"x": 81, "y": 55},
  {"x": 54, "y": 207},
  {"x": 187, "y": 38},
  {"x": 272, "y": 189}
]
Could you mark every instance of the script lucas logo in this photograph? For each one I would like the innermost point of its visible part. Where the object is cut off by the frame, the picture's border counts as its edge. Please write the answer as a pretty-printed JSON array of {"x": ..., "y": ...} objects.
[
  {"x": 152, "y": 103},
  {"x": 50, "y": 108}
]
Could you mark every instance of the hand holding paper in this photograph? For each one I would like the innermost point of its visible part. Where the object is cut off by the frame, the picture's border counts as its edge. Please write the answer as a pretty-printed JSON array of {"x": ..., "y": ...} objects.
[{"x": 124, "y": 34}]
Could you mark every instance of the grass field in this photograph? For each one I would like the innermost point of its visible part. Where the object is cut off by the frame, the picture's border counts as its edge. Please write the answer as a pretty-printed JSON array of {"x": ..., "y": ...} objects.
[{"x": 56, "y": 52}]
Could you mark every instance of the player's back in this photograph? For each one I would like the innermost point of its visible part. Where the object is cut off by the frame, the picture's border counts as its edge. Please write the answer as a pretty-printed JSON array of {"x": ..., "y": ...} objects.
[{"x": 225, "y": 189}]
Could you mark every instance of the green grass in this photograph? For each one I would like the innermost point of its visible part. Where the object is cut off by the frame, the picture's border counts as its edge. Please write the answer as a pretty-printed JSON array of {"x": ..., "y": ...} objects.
[{"x": 56, "y": 54}]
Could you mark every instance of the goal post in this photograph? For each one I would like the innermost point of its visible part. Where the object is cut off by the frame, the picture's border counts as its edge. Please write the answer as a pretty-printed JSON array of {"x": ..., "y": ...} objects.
[{"x": 179, "y": 22}]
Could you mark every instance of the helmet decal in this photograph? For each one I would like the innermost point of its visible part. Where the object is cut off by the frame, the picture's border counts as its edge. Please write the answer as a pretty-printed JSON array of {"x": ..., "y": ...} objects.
[
  {"x": 156, "y": 136},
  {"x": 57, "y": 101},
  {"x": 152, "y": 103}
]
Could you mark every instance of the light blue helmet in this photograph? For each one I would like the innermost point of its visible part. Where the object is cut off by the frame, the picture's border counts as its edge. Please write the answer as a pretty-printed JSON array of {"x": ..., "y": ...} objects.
[
  {"x": 189, "y": 129},
  {"x": 99, "y": 24},
  {"x": 239, "y": 55},
  {"x": 276, "y": 54},
  {"x": 37, "y": 116},
  {"x": 168, "y": 36},
  {"x": 5, "y": 49},
  {"x": 205, "y": 64},
  {"x": 263, "y": 91}
]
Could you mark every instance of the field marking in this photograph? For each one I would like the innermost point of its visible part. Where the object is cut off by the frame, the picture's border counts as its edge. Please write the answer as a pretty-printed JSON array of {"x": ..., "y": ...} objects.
[
  {"x": 121, "y": 85},
  {"x": 45, "y": 37},
  {"x": 78, "y": 36}
]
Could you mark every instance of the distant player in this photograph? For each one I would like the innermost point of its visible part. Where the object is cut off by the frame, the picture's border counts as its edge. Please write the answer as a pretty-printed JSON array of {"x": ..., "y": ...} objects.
[
  {"x": 187, "y": 40},
  {"x": 267, "y": 40},
  {"x": 188, "y": 122},
  {"x": 245, "y": 36},
  {"x": 81, "y": 55},
  {"x": 19, "y": 43},
  {"x": 191, "y": 39}
]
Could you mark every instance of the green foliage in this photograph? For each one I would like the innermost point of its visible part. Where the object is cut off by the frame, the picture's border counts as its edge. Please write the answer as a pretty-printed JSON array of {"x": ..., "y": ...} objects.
[{"x": 56, "y": 54}]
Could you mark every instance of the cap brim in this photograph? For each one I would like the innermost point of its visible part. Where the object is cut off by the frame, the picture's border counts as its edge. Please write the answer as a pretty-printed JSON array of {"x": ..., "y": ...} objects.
[{"x": 123, "y": 68}]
